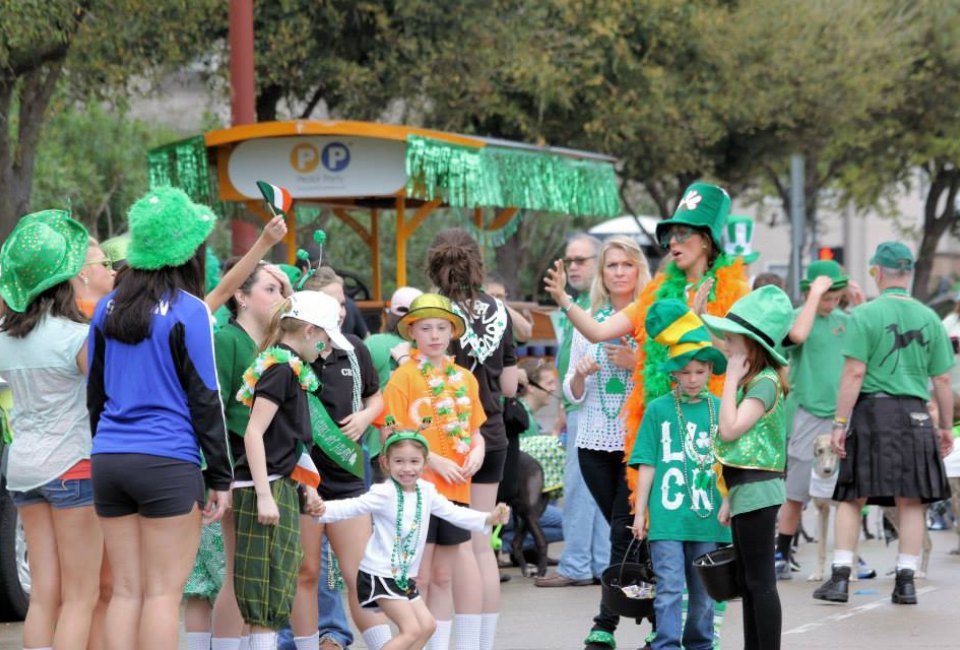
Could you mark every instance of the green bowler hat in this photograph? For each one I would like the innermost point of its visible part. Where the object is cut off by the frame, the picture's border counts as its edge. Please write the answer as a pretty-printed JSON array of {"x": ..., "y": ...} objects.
[
  {"x": 893, "y": 255},
  {"x": 430, "y": 305},
  {"x": 828, "y": 268},
  {"x": 116, "y": 247},
  {"x": 166, "y": 229},
  {"x": 705, "y": 207},
  {"x": 673, "y": 324},
  {"x": 738, "y": 238},
  {"x": 45, "y": 249},
  {"x": 764, "y": 315}
]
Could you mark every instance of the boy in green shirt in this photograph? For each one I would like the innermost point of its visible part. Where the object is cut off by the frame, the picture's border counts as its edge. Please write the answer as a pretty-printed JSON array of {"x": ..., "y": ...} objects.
[
  {"x": 814, "y": 349},
  {"x": 677, "y": 483}
]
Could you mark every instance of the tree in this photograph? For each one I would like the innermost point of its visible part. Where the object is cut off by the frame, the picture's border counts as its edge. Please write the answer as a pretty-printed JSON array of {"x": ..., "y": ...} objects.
[{"x": 90, "y": 48}]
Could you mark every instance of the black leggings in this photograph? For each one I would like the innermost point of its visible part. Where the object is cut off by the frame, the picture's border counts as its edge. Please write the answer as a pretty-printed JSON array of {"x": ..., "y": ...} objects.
[
  {"x": 606, "y": 477},
  {"x": 753, "y": 545}
]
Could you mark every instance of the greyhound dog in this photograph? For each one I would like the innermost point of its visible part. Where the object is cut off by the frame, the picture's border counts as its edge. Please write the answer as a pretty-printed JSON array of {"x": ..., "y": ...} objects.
[
  {"x": 824, "y": 477},
  {"x": 528, "y": 503}
]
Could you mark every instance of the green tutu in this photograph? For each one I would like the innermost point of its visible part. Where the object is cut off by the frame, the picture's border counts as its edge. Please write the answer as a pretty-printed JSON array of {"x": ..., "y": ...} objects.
[{"x": 207, "y": 576}]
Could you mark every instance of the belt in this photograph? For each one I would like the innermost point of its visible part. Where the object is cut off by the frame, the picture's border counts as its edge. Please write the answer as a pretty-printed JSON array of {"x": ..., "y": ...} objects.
[{"x": 881, "y": 395}]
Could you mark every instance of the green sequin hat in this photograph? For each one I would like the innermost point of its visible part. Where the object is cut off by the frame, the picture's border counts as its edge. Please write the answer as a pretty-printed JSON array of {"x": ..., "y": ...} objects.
[
  {"x": 430, "y": 305},
  {"x": 764, "y": 315},
  {"x": 405, "y": 434},
  {"x": 166, "y": 229},
  {"x": 673, "y": 324},
  {"x": 45, "y": 249},
  {"x": 828, "y": 268},
  {"x": 738, "y": 238},
  {"x": 893, "y": 255},
  {"x": 705, "y": 207}
]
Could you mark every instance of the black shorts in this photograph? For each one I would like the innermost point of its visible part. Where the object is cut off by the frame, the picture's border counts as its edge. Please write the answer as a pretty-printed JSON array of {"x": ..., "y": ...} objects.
[
  {"x": 442, "y": 533},
  {"x": 371, "y": 588},
  {"x": 150, "y": 486},
  {"x": 492, "y": 469}
]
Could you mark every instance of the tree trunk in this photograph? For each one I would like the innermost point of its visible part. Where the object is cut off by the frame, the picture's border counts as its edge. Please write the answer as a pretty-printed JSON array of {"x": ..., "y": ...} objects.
[
  {"x": 947, "y": 180},
  {"x": 18, "y": 153}
]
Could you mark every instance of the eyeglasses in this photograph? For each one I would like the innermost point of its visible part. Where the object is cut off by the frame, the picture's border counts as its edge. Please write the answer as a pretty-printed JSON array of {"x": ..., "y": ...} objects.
[
  {"x": 680, "y": 233},
  {"x": 579, "y": 261},
  {"x": 105, "y": 263}
]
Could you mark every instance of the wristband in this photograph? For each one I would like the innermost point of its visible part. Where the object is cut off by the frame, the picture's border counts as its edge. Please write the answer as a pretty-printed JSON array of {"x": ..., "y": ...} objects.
[
  {"x": 839, "y": 420},
  {"x": 568, "y": 307}
]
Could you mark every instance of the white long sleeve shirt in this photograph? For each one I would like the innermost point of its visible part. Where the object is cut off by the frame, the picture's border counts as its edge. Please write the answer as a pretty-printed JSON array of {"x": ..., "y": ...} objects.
[{"x": 381, "y": 502}]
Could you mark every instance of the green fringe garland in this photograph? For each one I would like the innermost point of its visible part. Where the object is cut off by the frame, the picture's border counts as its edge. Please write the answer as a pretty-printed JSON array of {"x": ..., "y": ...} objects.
[
  {"x": 494, "y": 176},
  {"x": 674, "y": 286},
  {"x": 497, "y": 237},
  {"x": 183, "y": 164}
]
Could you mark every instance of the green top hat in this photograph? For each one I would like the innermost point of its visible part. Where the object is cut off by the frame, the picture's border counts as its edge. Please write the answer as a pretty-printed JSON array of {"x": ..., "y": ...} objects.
[
  {"x": 430, "y": 305},
  {"x": 405, "y": 434},
  {"x": 671, "y": 323},
  {"x": 45, "y": 249},
  {"x": 116, "y": 247},
  {"x": 166, "y": 229},
  {"x": 703, "y": 206},
  {"x": 764, "y": 315},
  {"x": 738, "y": 238},
  {"x": 893, "y": 255},
  {"x": 828, "y": 268}
]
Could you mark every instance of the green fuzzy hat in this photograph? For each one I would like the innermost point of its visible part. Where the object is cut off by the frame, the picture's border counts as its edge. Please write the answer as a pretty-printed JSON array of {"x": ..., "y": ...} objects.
[
  {"x": 738, "y": 238},
  {"x": 828, "y": 268},
  {"x": 671, "y": 323},
  {"x": 45, "y": 249},
  {"x": 704, "y": 207},
  {"x": 764, "y": 315},
  {"x": 166, "y": 229}
]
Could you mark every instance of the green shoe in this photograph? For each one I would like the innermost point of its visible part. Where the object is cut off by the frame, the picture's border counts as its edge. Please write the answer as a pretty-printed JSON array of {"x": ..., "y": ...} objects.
[{"x": 599, "y": 640}]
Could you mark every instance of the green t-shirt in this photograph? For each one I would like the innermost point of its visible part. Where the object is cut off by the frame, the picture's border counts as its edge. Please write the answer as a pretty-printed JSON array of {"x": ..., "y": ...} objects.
[
  {"x": 534, "y": 428},
  {"x": 684, "y": 498},
  {"x": 234, "y": 351},
  {"x": 761, "y": 494},
  {"x": 563, "y": 353},
  {"x": 902, "y": 343},
  {"x": 379, "y": 346},
  {"x": 817, "y": 363}
]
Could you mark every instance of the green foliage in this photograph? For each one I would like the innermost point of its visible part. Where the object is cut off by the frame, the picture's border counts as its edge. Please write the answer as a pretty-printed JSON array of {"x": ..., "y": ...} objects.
[{"x": 93, "y": 163}]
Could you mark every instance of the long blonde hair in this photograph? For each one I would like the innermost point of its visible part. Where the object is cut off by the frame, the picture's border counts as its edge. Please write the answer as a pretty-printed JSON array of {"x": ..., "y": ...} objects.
[
  {"x": 280, "y": 325},
  {"x": 599, "y": 296}
]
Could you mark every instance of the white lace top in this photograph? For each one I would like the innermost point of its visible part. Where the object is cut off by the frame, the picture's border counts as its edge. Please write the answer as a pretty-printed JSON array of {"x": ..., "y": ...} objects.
[{"x": 599, "y": 426}]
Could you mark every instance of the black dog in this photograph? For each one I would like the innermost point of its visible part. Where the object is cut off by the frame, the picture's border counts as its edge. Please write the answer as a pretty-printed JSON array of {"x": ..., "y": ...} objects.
[{"x": 527, "y": 504}]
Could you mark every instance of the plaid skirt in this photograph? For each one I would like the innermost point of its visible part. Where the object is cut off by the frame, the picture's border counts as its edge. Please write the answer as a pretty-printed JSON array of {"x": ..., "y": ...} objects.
[
  {"x": 892, "y": 451},
  {"x": 267, "y": 558}
]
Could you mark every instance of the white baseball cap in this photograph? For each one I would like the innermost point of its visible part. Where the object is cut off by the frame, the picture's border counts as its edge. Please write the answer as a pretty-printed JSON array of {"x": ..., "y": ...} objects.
[
  {"x": 401, "y": 299},
  {"x": 321, "y": 310}
]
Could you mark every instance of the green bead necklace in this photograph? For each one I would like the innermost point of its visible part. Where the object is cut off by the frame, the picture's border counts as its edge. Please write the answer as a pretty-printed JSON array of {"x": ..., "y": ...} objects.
[
  {"x": 612, "y": 380},
  {"x": 405, "y": 546},
  {"x": 703, "y": 477}
]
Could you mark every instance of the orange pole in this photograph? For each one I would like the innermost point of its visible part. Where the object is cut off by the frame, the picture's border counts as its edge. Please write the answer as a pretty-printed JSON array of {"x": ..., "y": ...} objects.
[{"x": 375, "y": 254}]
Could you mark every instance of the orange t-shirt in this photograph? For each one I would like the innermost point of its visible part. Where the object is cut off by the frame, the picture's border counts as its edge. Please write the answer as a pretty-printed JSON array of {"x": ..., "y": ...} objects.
[{"x": 408, "y": 399}]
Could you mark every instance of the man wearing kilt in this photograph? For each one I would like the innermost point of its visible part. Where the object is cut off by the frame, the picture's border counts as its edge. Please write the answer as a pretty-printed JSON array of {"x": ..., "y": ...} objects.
[{"x": 891, "y": 450}]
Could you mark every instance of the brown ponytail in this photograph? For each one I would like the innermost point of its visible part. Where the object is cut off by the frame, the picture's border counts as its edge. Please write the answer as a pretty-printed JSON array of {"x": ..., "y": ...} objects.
[
  {"x": 279, "y": 326},
  {"x": 455, "y": 265}
]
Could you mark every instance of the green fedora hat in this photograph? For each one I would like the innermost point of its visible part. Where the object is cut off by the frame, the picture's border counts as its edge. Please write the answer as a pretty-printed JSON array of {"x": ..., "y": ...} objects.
[
  {"x": 738, "y": 238},
  {"x": 45, "y": 249},
  {"x": 828, "y": 268},
  {"x": 430, "y": 305},
  {"x": 671, "y": 323},
  {"x": 705, "y": 207},
  {"x": 166, "y": 229},
  {"x": 893, "y": 255},
  {"x": 764, "y": 315},
  {"x": 116, "y": 247}
]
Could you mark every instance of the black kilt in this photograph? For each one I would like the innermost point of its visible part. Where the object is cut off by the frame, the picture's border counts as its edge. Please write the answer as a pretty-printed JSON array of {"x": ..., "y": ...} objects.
[{"x": 892, "y": 451}]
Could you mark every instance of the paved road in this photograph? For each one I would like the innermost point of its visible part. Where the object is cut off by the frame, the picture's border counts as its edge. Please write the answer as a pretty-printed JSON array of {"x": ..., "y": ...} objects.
[{"x": 557, "y": 619}]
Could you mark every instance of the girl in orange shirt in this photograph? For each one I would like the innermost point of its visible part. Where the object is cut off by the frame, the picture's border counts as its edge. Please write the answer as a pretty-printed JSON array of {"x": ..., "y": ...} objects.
[{"x": 431, "y": 393}]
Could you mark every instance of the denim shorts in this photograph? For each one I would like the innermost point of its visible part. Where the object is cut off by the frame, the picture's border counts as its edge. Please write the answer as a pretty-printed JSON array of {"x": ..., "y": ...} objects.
[{"x": 60, "y": 494}]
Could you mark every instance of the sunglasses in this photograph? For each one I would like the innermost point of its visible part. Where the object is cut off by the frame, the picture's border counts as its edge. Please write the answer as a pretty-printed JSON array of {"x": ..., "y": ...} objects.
[
  {"x": 105, "y": 263},
  {"x": 578, "y": 261},
  {"x": 679, "y": 233}
]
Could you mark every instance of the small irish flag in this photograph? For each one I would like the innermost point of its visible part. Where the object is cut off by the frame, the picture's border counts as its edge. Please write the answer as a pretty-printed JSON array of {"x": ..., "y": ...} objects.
[
  {"x": 305, "y": 471},
  {"x": 278, "y": 198}
]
